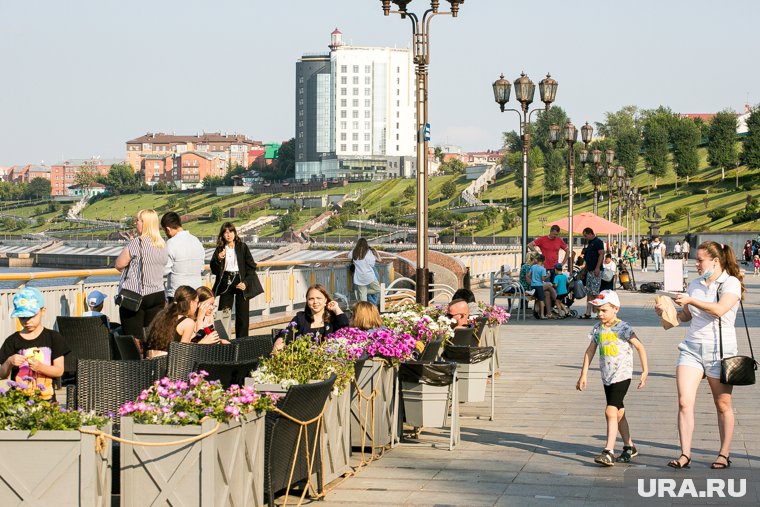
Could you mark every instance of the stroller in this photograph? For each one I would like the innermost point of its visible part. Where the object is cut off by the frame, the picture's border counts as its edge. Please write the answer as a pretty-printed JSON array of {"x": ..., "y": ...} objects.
[{"x": 569, "y": 298}]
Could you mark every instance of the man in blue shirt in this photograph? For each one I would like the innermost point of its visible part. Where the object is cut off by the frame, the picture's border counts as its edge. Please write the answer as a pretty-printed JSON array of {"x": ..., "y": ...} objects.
[{"x": 593, "y": 257}]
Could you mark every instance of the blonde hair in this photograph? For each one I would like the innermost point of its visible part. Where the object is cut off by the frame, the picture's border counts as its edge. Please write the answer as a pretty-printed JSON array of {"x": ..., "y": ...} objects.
[
  {"x": 150, "y": 229},
  {"x": 366, "y": 316}
]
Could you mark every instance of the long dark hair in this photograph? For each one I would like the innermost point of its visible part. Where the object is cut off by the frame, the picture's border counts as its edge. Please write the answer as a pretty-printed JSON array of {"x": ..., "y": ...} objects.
[
  {"x": 226, "y": 226},
  {"x": 328, "y": 315},
  {"x": 164, "y": 326},
  {"x": 726, "y": 257},
  {"x": 360, "y": 250}
]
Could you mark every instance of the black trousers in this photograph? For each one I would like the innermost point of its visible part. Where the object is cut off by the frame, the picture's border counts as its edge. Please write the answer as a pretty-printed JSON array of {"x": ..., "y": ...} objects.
[
  {"x": 234, "y": 296},
  {"x": 644, "y": 261},
  {"x": 134, "y": 323}
]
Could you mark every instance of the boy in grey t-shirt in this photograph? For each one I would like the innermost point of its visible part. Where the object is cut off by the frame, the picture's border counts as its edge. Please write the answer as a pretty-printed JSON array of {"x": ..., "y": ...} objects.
[{"x": 616, "y": 341}]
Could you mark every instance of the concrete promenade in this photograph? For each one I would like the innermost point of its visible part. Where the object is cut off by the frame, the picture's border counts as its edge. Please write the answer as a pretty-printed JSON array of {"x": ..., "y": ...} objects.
[{"x": 539, "y": 450}]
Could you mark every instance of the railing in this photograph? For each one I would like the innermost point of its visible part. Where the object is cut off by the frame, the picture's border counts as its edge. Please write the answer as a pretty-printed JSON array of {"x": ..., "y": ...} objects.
[
  {"x": 284, "y": 283},
  {"x": 482, "y": 264}
]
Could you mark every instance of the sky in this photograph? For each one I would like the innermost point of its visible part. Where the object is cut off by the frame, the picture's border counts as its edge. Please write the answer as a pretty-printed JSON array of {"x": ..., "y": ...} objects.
[{"x": 80, "y": 78}]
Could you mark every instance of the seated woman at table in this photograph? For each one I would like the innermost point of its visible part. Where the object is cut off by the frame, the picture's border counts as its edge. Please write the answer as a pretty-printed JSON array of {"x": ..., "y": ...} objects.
[
  {"x": 176, "y": 322},
  {"x": 366, "y": 317},
  {"x": 322, "y": 316}
]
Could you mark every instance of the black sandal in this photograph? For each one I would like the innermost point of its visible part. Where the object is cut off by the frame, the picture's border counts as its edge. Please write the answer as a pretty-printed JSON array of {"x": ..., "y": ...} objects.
[
  {"x": 585, "y": 316},
  {"x": 717, "y": 465},
  {"x": 676, "y": 463}
]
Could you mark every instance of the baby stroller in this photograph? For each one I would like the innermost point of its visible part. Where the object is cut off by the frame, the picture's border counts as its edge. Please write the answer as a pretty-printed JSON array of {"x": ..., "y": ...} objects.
[{"x": 569, "y": 298}]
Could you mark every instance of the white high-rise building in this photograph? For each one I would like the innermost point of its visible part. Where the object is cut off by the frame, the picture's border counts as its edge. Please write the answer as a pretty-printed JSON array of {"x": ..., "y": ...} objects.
[{"x": 355, "y": 113}]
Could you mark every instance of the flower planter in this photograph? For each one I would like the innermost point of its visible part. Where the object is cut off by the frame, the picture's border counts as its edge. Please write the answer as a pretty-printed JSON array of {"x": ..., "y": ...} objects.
[
  {"x": 225, "y": 468},
  {"x": 425, "y": 405},
  {"x": 376, "y": 375},
  {"x": 54, "y": 468},
  {"x": 336, "y": 437},
  {"x": 472, "y": 380},
  {"x": 491, "y": 339}
]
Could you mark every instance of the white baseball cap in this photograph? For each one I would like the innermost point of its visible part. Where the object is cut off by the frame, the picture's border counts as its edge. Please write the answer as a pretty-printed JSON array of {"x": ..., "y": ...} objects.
[
  {"x": 95, "y": 298},
  {"x": 606, "y": 296}
]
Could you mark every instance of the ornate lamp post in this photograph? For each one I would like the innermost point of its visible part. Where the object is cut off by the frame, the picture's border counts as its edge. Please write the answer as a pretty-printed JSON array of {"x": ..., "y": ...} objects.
[
  {"x": 524, "y": 91},
  {"x": 421, "y": 48},
  {"x": 570, "y": 136}
]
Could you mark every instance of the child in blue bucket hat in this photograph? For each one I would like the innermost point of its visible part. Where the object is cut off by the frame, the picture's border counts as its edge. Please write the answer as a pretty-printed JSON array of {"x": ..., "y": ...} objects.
[{"x": 33, "y": 356}]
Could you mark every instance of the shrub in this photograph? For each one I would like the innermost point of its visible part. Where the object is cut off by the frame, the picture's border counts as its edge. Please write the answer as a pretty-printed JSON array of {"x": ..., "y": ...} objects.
[
  {"x": 682, "y": 211},
  {"x": 748, "y": 186},
  {"x": 701, "y": 191},
  {"x": 672, "y": 217},
  {"x": 745, "y": 215},
  {"x": 717, "y": 213}
]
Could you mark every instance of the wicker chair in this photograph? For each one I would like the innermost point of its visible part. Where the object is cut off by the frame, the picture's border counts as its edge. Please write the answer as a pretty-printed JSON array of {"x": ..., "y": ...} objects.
[
  {"x": 228, "y": 373},
  {"x": 183, "y": 356},
  {"x": 127, "y": 347},
  {"x": 252, "y": 347},
  {"x": 103, "y": 386},
  {"x": 87, "y": 337},
  {"x": 304, "y": 403}
]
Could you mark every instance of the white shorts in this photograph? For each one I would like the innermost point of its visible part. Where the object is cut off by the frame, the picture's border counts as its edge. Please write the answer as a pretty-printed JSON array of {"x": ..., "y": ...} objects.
[{"x": 692, "y": 355}]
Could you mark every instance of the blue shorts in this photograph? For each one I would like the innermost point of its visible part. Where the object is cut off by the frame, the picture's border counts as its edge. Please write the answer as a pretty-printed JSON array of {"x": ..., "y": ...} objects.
[{"x": 691, "y": 354}]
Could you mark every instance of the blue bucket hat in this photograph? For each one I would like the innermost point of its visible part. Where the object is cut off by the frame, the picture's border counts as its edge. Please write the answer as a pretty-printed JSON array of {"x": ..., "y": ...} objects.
[{"x": 27, "y": 302}]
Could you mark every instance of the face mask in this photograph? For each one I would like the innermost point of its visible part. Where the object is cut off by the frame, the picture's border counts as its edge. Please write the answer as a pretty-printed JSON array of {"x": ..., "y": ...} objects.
[{"x": 708, "y": 273}]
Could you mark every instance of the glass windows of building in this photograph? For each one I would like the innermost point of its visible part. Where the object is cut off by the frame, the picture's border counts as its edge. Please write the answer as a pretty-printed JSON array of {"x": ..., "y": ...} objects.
[
  {"x": 342, "y": 102},
  {"x": 354, "y": 113},
  {"x": 366, "y": 103},
  {"x": 355, "y": 125},
  {"x": 355, "y": 136},
  {"x": 344, "y": 68},
  {"x": 366, "y": 113},
  {"x": 356, "y": 80},
  {"x": 366, "y": 148},
  {"x": 367, "y": 80},
  {"x": 354, "y": 147},
  {"x": 356, "y": 69},
  {"x": 324, "y": 112},
  {"x": 343, "y": 80},
  {"x": 356, "y": 91},
  {"x": 343, "y": 113},
  {"x": 367, "y": 69},
  {"x": 366, "y": 136},
  {"x": 367, "y": 91},
  {"x": 342, "y": 147},
  {"x": 366, "y": 125},
  {"x": 343, "y": 125},
  {"x": 342, "y": 136},
  {"x": 342, "y": 91},
  {"x": 355, "y": 103}
]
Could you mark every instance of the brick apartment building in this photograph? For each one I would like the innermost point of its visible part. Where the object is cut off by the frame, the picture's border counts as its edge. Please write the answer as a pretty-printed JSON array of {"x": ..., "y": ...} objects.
[
  {"x": 63, "y": 174},
  {"x": 151, "y": 154},
  {"x": 26, "y": 173}
]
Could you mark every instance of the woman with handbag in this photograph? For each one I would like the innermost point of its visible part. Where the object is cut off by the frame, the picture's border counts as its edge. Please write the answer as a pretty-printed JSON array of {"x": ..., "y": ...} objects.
[
  {"x": 141, "y": 289},
  {"x": 710, "y": 307},
  {"x": 236, "y": 281}
]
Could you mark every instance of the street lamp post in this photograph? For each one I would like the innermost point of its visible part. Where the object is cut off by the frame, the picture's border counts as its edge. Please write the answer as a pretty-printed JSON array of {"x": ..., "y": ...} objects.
[
  {"x": 600, "y": 170},
  {"x": 421, "y": 53},
  {"x": 524, "y": 91}
]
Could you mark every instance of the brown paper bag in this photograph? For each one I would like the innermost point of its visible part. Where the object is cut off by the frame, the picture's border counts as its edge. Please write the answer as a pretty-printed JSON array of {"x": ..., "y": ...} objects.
[{"x": 669, "y": 318}]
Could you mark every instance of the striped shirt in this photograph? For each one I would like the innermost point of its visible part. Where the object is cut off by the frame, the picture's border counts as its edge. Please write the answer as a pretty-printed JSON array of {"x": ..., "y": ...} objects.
[{"x": 153, "y": 263}]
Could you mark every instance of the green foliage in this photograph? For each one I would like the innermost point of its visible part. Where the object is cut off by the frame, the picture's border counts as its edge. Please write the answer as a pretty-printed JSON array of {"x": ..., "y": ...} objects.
[
  {"x": 453, "y": 166},
  {"x": 54, "y": 207},
  {"x": 22, "y": 408},
  {"x": 512, "y": 141},
  {"x": 540, "y": 128},
  {"x": 38, "y": 188},
  {"x": 618, "y": 123},
  {"x": 217, "y": 214},
  {"x": 627, "y": 147},
  {"x": 685, "y": 137},
  {"x": 287, "y": 221},
  {"x": 554, "y": 170},
  {"x": 751, "y": 153},
  {"x": 121, "y": 179},
  {"x": 490, "y": 214},
  {"x": 655, "y": 144},
  {"x": 509, "y": 220},
  {"x": 535, "y": 159},
  {"x": 717, "y": 213},
  {"x": 721, "y": 143},
  {"x": 672, "y": 217},
  {"x": 232, "y": 171},
  {"x": 682, "y": 211},
  {"x": 213, "y": 181},
  {"x": 334, "y": 222},
  {"x": 449, "y": 188},
  {"x": 409, "y": 192},
  {"x": 172, "y": 201}
]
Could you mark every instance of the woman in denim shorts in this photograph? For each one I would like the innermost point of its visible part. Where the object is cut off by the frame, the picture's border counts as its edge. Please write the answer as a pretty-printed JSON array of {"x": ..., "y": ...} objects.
[{"x": 710, "y": 307}]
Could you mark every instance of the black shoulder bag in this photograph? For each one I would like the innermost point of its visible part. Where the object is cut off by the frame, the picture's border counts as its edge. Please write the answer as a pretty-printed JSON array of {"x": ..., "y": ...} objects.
[
  {"x": 736, "y": 370},
  {"x": 129, "y": 299}
]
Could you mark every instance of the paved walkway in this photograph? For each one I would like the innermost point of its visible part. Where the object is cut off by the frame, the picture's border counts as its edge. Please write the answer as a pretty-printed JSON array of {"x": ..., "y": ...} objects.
[{"x": 540, "y": 448}]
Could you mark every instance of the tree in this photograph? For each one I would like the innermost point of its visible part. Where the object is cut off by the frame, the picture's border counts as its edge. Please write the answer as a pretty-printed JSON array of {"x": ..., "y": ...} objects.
[
  {"x": 448, "y": 189},
  {"x": 438, "y": 153},
  {"x": 217, "y": 214},
  {"x": 509, "y": 220},
  {"x": 685, "y": 138},
  {"x": 233, "y": 169},
  {"x": 287, "y": 221},
  {"x": 334, "y": 222},
  {"x": 208, "y": 182},
  {"x": 87, "y": 174},
  {"x": 655, "y": 146},
  {"x": 540, "y": 128},
  {"x": 617, "y": 123},
  {"x": 721, "y": 142},
  {"x": 409, "y": 192},
  {"x": 455, "y": 166},
  {"x": 286, "y": 159},
  {"x": 535, "y": 159},
  {"x": 751, "y": 153},
  {"x": 490, "y": 214},
  {"x": 554, "y": 165},
  {"x": 627, "y": 147},
  {"x": 39, "y": 188},
  {"x": 512, "y": 141},
  {"x": 121, "y": 179}
]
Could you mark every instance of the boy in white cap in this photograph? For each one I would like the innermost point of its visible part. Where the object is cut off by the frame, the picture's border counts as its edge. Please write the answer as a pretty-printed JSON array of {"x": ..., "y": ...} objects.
[
  {"x": 615, "y": 340},
  {"x": 34, "y": 355},
  {"x": 95, "y": 300}
]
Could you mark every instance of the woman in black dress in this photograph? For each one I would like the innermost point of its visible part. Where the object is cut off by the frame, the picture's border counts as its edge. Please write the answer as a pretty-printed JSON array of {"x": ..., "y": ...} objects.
[{"x": 236, "y": 280}]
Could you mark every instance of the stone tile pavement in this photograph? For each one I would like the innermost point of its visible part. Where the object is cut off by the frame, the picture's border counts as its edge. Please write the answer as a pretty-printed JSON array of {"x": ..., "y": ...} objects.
[{"x": 539, "y": 450}]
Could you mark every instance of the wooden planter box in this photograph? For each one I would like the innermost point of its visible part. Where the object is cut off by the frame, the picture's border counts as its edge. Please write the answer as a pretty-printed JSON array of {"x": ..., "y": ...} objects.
[
  {"x": 223, "y": 469},
  {"x": 376, "y": 374},
  {"x": 54, "y": 468},
  {"x": 336, "y": 437}
]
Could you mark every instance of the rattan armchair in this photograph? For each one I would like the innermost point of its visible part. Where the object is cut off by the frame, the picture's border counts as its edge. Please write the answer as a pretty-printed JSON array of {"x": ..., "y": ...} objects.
[
  {"x": 183, "y": 356},
  {"x": 87, "y": 337}
]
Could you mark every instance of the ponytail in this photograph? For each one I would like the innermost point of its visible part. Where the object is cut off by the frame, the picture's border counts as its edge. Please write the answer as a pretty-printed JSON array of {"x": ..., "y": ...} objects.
[{"x": 727, "y": 259}]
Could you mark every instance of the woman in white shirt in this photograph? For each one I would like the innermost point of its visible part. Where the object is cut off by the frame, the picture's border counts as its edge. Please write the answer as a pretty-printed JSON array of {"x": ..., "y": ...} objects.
[
  {"x": 363, "y": 261},
  {"x": 710, "y": 307}
]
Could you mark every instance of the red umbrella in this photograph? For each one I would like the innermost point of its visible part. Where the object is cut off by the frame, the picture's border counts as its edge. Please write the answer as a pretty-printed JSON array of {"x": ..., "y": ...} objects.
[{"x": 583, "y": 220}]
